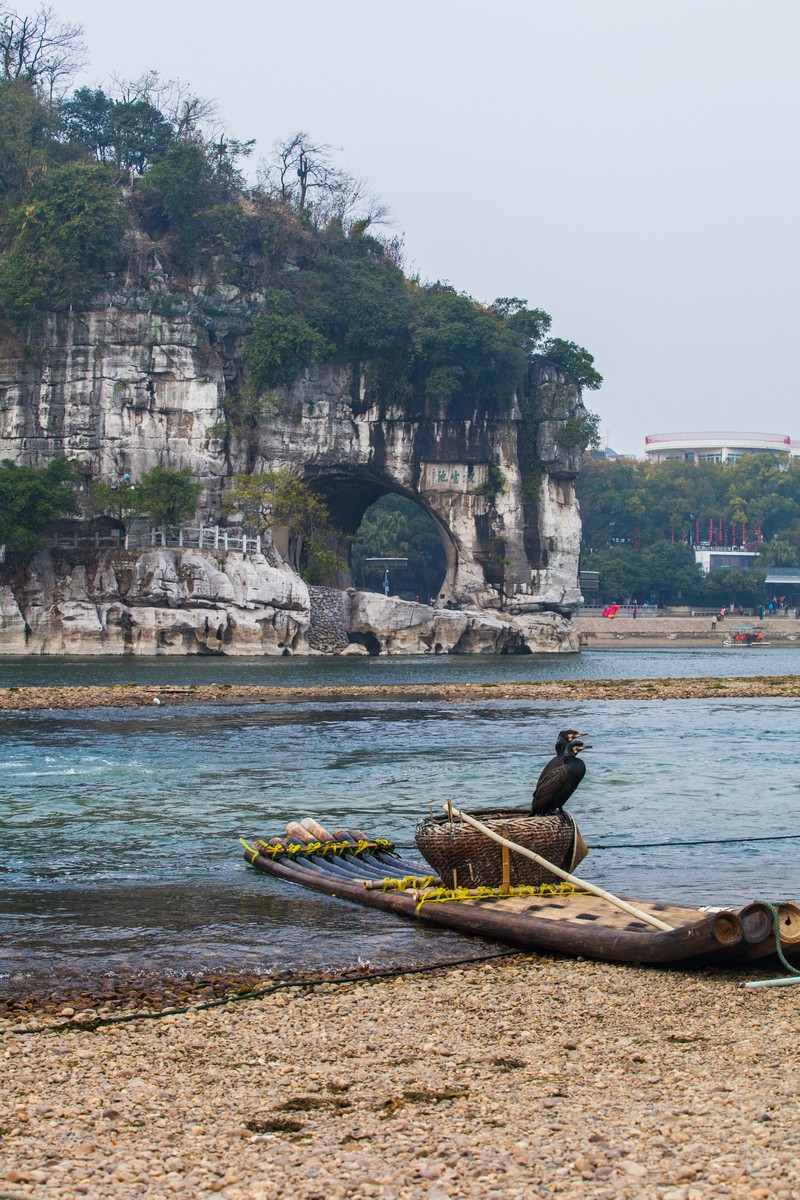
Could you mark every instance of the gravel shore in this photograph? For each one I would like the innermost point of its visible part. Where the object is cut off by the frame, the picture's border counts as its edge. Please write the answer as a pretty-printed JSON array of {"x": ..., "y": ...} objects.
[
  {"x": 521, "y": 1077},
  {"x": 27, "y": 699}
]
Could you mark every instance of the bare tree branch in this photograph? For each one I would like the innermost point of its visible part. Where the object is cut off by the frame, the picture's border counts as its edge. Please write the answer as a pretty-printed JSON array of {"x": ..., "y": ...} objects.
[
  {"x": 41, "y": 49},
  {"x": 192, "y": 117},
  {"x": 301, "y": 175}
]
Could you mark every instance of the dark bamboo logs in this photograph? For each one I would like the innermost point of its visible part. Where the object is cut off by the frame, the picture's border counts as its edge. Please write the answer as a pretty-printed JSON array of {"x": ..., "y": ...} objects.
[{"x": 711, "y": 935}]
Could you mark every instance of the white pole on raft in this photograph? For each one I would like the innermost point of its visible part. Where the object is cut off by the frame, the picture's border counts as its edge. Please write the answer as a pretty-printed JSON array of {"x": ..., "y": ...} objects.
[
  {"x": 648, "y": 918},
  {"x": 784, "y": 981}
]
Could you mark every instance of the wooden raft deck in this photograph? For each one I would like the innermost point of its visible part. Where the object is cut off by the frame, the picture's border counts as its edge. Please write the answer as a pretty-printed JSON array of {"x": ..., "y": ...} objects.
[{"x": 352, "y": 867}]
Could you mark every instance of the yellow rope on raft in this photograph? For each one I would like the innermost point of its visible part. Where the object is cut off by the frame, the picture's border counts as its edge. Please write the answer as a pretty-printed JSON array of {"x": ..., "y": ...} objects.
[
  {"x": 443, "y": 895},
  {"x": 324, "y": 849},
  {"x": 408, "y": 882}
]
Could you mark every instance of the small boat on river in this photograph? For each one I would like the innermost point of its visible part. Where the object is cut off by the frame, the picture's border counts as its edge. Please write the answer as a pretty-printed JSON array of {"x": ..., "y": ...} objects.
[
  {"x": 744, "y": 635},
  {"x": 550, "y": 915}
]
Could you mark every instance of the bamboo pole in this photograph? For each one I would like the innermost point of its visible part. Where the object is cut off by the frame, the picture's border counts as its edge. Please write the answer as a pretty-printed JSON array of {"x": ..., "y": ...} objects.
[
  {"x": 656, "y": 922},
  {"x": 784, "y": 981}
]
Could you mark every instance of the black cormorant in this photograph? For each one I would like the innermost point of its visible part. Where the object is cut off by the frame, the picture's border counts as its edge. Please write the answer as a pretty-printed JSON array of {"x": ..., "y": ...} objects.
[
  {"x": 566, "y": 736},
  {"x": 559, "y": 778}
]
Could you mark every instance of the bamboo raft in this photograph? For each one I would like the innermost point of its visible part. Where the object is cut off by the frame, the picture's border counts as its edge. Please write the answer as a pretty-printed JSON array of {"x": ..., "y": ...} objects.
[{"x": 558, "y": 918}]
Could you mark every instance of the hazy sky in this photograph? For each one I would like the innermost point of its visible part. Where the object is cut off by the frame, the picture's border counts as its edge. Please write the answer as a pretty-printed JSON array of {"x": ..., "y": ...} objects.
[{"x": 628, "y": 165}]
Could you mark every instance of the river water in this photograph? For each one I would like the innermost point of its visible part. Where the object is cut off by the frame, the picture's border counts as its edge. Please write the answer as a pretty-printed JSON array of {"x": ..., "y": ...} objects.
[
  {"x": 119, "y": 851},
  {"x": 645, "y": 663}
]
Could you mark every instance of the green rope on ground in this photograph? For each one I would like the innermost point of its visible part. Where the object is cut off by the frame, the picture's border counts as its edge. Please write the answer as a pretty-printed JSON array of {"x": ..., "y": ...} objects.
[{"x": 773, "y": 908}]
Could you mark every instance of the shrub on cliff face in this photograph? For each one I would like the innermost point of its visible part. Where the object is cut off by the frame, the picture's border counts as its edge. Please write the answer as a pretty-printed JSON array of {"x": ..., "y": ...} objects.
[
  {"x": 572, "y": 361},
  {"x": 167, "y": 497},
  {"x": 32, "y": 501},
  {"x": 61, "y": 241},
  {"x": 26, "y": 135},
  {"x": 464, "y": 356},
  {"x": 279, "y": 348},
  {"x": 191, "y": 196}
]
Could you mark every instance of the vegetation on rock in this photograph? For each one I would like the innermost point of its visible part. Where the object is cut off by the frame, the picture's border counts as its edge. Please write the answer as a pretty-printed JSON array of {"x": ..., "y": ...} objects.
[
  {"x": 32, "y": 501},
  {"x": 89, "y": 178},
  {"x": 280, "y": 498},
  {"x": 166, "y": 497}
]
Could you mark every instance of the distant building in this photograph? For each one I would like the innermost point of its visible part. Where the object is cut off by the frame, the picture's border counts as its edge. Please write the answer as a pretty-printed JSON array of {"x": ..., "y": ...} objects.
[
  {"x": 715, "y": 447},
  {"x": 709, "y": 558}
]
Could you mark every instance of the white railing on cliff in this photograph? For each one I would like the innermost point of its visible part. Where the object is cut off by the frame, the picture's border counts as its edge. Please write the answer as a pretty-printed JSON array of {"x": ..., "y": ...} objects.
[{"x": 203, "y": 537}]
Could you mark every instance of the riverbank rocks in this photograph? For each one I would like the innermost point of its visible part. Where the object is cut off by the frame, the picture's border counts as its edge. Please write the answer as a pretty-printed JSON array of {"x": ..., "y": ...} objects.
[
  {"x": 390, "y": 626},
  {"x": 153, "y": 602},
  {"x": 175, "y": 601}
]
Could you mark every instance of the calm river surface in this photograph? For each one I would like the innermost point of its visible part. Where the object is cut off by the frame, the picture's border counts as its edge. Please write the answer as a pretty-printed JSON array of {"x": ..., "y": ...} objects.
[
  {"x": 644, "y": 663},
  {"x": 119, "y": 850},
  {"x": 119, "y": 829}
]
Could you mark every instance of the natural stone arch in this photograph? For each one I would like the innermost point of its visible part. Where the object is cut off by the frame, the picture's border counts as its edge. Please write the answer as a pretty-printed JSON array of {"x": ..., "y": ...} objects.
[
  {"x": 350, "y": 491},
  {"x": 122, "y": 389}
]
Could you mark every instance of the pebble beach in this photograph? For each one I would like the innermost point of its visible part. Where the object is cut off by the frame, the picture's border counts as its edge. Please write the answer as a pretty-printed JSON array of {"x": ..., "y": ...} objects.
[{"x": 516, "y": 1077}]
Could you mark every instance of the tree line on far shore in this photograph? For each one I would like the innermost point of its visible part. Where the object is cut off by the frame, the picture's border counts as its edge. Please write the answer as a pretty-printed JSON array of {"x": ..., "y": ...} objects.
[{"x": 642, "y": 520}]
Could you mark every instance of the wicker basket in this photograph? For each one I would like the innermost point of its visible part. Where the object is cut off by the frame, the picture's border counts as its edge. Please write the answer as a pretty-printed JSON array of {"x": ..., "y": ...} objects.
[{"x": 478, "y": 861}]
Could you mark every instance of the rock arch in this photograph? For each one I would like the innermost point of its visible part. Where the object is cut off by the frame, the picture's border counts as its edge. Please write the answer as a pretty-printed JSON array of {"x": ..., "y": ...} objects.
[
  {"x": 121, "y": 389},
  {"x": 350, "y": 491},
  {"x": 500, "y": 490}
]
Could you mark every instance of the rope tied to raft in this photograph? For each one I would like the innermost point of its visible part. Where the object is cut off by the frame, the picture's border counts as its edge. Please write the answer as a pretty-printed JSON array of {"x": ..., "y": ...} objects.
[
  {"x": 443, "y": 895},
  {"x": 776, "y": 922},
  {"x": 776, "y": 837},
  {"x": 323, "y": 849},
  {"x": 408, "y": 882}
]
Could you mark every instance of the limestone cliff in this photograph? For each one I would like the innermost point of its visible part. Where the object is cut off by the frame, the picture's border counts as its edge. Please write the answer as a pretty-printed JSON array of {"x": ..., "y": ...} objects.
[
  {"x": 195, "y": 602},
  {"x": 142, "y": 379}
]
